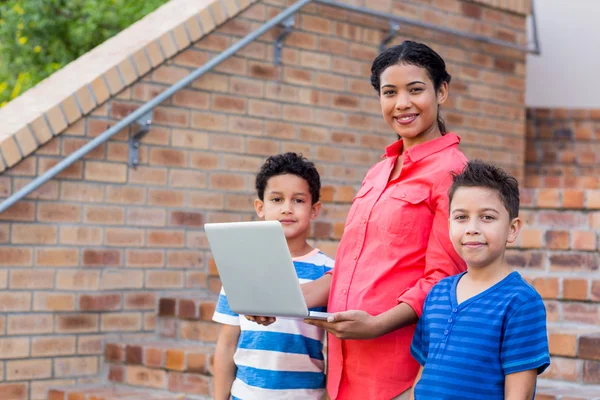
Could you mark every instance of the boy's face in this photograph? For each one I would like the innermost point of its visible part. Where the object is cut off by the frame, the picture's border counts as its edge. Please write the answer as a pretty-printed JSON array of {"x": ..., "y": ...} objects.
[
  {"x": 480, "y": 226},
  {"x": 287, "y": 199}
]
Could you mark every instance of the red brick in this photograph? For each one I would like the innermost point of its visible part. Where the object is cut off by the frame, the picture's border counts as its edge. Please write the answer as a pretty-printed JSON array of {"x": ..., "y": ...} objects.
[
  {"x": 101, "y": 258},
  {"x": 583, "y": 240},
  {"x": 80, "y": 235},
  {"x": 164, "y": 279},
  {"x": 75, "y": 366},
  {"x": 189, "y": 139},
  {"x": 15, "y": 301},
  {"x": 28, "y": 370},
  {"x": 77, "y": 280},
  {"x": 183, "y": 218},
  {"x": 125, "y": 195},
  {"x": 230, "y": 104},
  {"x": 227, "y": 143},
  {"x": 114, "y": 353},
  {"x": 133, "y": 354},
  {"x": 167, "y": 307},
  {"x": 171, "y": 116},
  {"x": 104, "y": 215},
  {"x": 53, "y": 212},
  {"x": 99, "y": 302},
  {"x": 189, "y": 383},
  {"x": 140, "y": 301},
  {"x": 148, "y": 176},
  {"x": 145, "y": 258},
  {"x": 166, "y": 238},
  {"x": 575, "y": 289},
  {"x": 56, "y": 257},
  {"x": 116, "y": 373},
  {"x": 105, "y": 172},
  {"x": 76, "y": 323},
  {"x": 53, "y": 346},
  {"x": 14, "y": 348},
  {"x": 81, "y": 192},
  {"x": 122, "y": 279},
  {"x": 209, "y": 121},
  {"x": 166, "y": 198},
  {"x": 16, "y": 256},
  {"x": 191, "y": 99},
  {"x": 34, "y": 234},
  {"x": 199, "y": 331},
  {"x": 44, "y": 301},
  {"x": 146, "y": 216},
  {"x": 557, "y": 240},
  {"x": 21, "y": 211},
  {"x": 75, "y": 171},
  {"x": 141, "y": 376},
  {"x": 573, "y": 198},
  {"x": 204, "y": 161},
  {"x": 168, "y": 157},
  {"x": 187, "y": 179},
  {"x": 589, "y": 346},
  {"x": 16, "y": 391},
  {"x": 30, "y": 324},
  {"x": 121, "y": 322},
  {"x": 227, "y": 182},
  {"x": 31, "y": 279},
  {"x": 591, "y": 372}
]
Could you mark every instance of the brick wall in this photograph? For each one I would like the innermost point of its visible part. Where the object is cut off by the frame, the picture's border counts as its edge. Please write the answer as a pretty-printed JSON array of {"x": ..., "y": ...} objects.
[
  {"x": 86, "y": 256},
  {"x": 563, "y": 148}
]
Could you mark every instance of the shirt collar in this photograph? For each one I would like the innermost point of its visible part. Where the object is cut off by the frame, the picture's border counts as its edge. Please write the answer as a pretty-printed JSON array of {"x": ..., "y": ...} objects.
[{"x": 422, "y": 150}]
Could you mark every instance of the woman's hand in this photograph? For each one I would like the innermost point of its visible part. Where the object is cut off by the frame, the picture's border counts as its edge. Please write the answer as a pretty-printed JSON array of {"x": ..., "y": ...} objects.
[
  {"x": 264, "y": 321},
  {"x": 349, "y": 325}
]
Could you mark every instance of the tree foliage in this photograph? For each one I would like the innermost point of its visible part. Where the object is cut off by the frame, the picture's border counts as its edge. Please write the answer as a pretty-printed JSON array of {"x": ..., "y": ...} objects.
[{"x": 38, "y": 37}]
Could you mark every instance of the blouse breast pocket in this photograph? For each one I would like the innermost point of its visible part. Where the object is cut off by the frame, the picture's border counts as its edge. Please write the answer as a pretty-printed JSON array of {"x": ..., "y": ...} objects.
[
  {"x": 356, "y": 202},
  {"x": 409, "y": 211}
]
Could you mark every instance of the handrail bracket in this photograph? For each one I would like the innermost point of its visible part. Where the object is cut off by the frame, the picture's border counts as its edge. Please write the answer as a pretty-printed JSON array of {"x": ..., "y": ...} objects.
[
  {"x": 288, "y": 26},
  {"x": 144, "y": 123},
  {"x": 394, "y": 27}
]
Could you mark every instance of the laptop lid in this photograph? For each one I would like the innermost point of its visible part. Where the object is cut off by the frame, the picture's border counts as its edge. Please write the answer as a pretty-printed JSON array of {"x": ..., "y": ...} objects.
[{"x": 256, "y": 268}]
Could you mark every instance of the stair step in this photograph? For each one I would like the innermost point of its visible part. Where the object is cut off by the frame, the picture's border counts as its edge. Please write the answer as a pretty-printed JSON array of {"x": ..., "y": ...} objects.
[
  {"x": 573, "y": 370},
  {"x": 161, "y": 364},
  {"x": 187, "y": 317},
  {"x": 574, "y": 340},
  {"x": 555, "y": 390},
  {"x": 110, "y": 392},
  {"x": 161, "y": 354}
]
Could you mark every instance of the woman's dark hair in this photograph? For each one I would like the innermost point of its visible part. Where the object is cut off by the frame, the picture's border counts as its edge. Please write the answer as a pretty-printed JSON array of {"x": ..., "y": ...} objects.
[
  {"x": 419, "y": 55},
  {"x": 293, "y": 164},
  {"x": 481, "y": 174}
]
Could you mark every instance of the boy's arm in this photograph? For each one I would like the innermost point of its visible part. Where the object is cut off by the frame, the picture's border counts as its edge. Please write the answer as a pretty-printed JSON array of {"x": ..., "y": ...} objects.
[
  {"x": 412, "y": 389},
  {"x": 225, "y": 368},
  {"x": 520, "y": 385}
]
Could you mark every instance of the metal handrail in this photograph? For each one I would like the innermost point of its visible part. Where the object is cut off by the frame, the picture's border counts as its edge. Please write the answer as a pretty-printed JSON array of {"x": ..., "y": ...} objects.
[{"x": 150, "y": 105}]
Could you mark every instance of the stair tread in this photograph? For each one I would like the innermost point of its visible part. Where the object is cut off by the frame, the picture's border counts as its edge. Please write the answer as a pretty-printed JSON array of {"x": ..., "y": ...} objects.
[
  {"x": 573, "y": 390},
  {"x": 113, "y": 392}
]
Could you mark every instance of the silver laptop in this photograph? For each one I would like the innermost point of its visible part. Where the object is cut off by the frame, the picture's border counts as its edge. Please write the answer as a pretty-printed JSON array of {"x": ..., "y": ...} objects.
[{"x": 256, "y": 269}]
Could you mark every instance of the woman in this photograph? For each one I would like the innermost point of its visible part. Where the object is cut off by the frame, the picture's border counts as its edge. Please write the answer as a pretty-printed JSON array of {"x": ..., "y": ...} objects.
[{"x": 395, "y": 245}]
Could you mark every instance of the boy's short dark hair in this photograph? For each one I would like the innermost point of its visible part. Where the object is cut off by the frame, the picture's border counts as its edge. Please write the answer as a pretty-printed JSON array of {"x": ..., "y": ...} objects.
[
  {"x": 478, "y": 173},
  {"x": 289, "y": 163}
]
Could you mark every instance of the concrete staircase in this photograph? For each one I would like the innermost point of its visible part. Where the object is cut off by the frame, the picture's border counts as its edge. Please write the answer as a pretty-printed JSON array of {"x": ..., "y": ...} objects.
[{"x": 175, "y": 365}]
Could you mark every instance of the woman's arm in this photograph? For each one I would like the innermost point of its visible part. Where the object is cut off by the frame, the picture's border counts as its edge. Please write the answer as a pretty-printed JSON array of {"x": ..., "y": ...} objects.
[
  {"x": 225, "y": 368},
  {"x": 316, "y": 293},
  {"x": 520, "y": 385}
]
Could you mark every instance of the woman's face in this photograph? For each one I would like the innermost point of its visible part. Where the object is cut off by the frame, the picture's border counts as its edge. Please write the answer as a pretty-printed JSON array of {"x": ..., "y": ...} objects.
[{"x": 409, "y": 103}]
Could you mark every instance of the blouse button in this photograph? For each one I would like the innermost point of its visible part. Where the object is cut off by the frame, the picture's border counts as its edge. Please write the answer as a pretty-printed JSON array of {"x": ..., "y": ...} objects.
[
  {"x": 455, "y": 310},
  {"x": 344, "y": 291},
  {"x": 403, "y": 195},
  {"x": 446, "y": 332},
  {"x": 450, "y": 320},
  {"x": 354, "y": 258}
]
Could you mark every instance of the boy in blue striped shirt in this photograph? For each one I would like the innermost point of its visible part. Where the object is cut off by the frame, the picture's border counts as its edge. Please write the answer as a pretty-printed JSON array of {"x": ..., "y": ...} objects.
[
  {"x": 283, "y": 360},
  {"x": 482, "y": 334}
]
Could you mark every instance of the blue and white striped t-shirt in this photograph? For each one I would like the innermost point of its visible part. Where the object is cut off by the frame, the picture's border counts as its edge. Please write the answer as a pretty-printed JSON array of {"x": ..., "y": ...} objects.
[
  {"x": 285, "y": 359},
  {"x": 468, "y": 348}
]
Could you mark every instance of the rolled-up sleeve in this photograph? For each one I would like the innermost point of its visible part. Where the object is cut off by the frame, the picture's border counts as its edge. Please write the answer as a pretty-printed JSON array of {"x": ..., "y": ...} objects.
[{"x": 441, "y": 260}]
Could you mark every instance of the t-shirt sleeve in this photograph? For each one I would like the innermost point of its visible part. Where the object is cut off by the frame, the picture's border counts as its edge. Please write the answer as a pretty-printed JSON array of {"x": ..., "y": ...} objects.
[
  {"x": 419, "y": 347},
  {"x": 223, "y": 313},
  {"x": 525, "y": 339}
]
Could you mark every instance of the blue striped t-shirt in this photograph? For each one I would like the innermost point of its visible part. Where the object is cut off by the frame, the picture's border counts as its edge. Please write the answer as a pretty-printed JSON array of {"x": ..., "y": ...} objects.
[
  {"x": 284, "y": 360},
  {"x": 468, "y": 348}
]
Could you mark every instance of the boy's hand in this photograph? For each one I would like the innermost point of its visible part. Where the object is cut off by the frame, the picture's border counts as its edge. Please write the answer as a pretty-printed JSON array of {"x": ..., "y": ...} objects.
[
  {"x": 264, "y": 321},
  {"x": 349, "y": 325}
]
